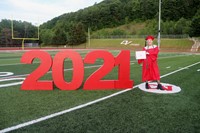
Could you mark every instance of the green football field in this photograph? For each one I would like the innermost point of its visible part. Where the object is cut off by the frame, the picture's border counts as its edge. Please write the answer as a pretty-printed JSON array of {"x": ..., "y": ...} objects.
[{"x": 131, "y": 110}]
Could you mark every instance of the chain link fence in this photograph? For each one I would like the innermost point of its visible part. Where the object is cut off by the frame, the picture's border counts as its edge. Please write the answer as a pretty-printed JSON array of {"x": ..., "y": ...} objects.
[{"x": 137, "y": 36}]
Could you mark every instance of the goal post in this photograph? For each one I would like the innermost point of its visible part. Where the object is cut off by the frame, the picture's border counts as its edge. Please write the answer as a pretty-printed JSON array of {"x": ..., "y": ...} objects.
[{"x": 24, "y": 38}]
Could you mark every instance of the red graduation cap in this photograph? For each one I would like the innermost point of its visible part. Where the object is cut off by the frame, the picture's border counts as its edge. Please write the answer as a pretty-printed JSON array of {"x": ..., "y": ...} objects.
[{"x": 149, "y": 37}]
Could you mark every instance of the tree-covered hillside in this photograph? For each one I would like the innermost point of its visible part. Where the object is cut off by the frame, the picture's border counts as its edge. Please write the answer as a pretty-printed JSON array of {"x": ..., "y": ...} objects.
[
  {"x": 111, "y": 13},
  {"x": 177, "y": 16}
]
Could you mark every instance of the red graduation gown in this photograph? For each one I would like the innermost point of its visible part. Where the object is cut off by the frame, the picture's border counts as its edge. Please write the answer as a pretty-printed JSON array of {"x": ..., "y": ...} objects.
[{"x": 150, "y": 70}]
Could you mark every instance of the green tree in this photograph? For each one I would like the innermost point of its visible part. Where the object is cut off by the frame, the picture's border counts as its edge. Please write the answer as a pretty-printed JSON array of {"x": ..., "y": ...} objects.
[
  {"x": 168, "y": 27},
  {"x": 182, "y": 26},
  {"x": 5, "y": 23},
  {"x": 118, "y": 32},
  {"x": 60, "y": 34},
  {"x": 112, "y": 13},
  {"x": 46, "y": 36},
  {"x": 76, "y": 34},
  {"x": 195, "y": 25}
]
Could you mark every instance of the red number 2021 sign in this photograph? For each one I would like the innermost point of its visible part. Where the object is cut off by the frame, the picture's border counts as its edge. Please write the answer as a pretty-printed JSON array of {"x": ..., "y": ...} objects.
[{"x": 93, "y": 82}]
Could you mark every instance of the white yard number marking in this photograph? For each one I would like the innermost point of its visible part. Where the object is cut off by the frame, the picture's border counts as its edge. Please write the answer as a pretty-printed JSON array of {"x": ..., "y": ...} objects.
[
  {"x": 7, "y": 79},
  {"x": 2, "y": 74},
  {"x": 126, "y": 42}
]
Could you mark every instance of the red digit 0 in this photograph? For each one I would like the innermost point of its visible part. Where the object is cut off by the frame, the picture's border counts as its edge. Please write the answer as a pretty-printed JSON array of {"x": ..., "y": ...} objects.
[
  {"x": 31, "y": 82},
  {"x": 123, "y": 62},
  {"x": 58, "y": 70},
  {"x": 94, "y": 82}
]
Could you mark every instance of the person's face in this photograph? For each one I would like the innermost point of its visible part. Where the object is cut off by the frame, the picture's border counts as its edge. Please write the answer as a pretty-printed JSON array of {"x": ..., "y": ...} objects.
[{"x": 149, "y": 42}]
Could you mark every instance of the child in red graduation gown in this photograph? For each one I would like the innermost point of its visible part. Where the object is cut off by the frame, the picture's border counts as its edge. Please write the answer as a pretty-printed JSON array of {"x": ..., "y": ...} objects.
[{"x": 150, "y": 70}]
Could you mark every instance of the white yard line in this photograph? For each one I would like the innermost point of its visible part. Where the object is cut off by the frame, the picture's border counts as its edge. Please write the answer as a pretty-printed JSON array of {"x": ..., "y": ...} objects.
[
  {"x": 23, "y": 75},
  {"x": 179, "y": 70},
  {"x": 82, "y": 105}
]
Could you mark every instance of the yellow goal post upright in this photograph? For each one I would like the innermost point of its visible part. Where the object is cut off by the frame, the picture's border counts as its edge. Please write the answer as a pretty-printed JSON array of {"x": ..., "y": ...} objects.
[{"x": 23, "y": 39}]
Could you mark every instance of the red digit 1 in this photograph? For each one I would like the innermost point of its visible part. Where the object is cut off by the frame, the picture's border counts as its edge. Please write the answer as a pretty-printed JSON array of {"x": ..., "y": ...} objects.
[
  {"x": 94, "y": 82},
  {"x": 31, "y": 82},
  {"x": 123, "y": 62},
  {"x": 58, "y": 70}
]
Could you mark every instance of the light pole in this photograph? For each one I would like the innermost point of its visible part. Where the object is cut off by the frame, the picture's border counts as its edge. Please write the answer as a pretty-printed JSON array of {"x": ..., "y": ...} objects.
[
  {"x": 159, "y": 19},
  {"x": 89, "y": 37}
]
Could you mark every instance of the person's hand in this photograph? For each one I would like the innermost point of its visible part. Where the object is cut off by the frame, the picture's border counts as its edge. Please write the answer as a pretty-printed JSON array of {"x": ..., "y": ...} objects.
[{"x": 147, "y": 52}]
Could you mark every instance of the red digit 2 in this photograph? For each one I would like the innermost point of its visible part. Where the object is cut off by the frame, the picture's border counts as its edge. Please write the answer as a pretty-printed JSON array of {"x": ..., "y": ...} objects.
[
  {"x": 31, "y": 82},
  {"x": 94, "y": 82}
]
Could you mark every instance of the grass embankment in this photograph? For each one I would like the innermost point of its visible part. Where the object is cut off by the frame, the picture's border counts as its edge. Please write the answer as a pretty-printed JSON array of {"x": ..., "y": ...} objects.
[{"x": 138, "y": 43}]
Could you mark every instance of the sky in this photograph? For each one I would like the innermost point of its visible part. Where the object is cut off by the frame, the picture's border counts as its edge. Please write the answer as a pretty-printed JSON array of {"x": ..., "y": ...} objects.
[{"x": 40, "y": 11}]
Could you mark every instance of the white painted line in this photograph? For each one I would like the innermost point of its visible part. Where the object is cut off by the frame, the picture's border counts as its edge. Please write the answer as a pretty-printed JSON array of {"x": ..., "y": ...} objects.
[
  {"x": 81, "y": 106},
  {"x": 11, "y": 84},
  {"x": 61, "y": 112},
  {"x": 5, "y": 74},
  {"x": 16, "y": 64},
  {"x": 179, "y": 70},
  {"x": 23, "y": 75},
  {"x": 11, "y": 59}
]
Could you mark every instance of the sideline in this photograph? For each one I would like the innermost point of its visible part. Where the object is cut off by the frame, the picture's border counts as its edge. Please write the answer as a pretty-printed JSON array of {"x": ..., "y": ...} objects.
[{"x": 82, "y": 105}]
